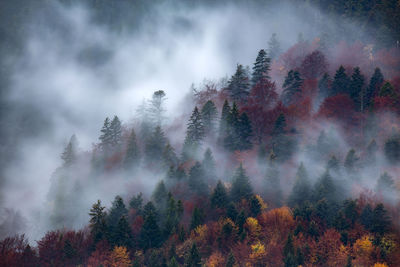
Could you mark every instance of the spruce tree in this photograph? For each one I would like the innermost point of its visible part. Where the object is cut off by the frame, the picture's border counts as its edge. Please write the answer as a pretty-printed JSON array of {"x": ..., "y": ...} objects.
[
  {"x": 289, "y": 258},
  {"x": 154, "y": 146},
  {"x": 324, "y": 87},
  {"x": 291, "y": 87},
  {"x": 150, "y": 234},
  {"x": 325, "y": 188},
  {"x": 272, "y": 185},
  {"x": 98, "y": 228},
  {"x": 380, "y": 220},
  {"x": 392, "y": 149},
  {"x": 194, "y": 134},
  {"x": 356, "y": 88},
  {"x": 351, "y": 160},
  {"x": 280, "y": 125},
  {"x": 208, "y": 165},
  {"x": 106, "y": 136},
  {"x": 274, "y": 47},
  {"x": 232, "y": 138},
  {"x": 196, "y": 180},
  {"x": 219, "y": 197},
  {"x": 223, "y": 123},
  {"x": 341, "y": 82},
  {"x": 301, "y": 190},
  {"x": 373, "y": 88},
  {"x": 116, "y": 212},
  {"x": 261, "y": 67},
  {"x": 115, "y": 131},
  {"x": 241, "y": 187},
  {"x": 122, "y": 234},
  {"x": 70, "y": 152},
  {"x": 197, "y": 218},
  {"x": 230, "y": 262},
  {"x": 209, "y": 116},
  {"x": 238, "y": 85},
  {"x": 193, "y": 259},
  {"x": 132, "y": 156},
  {"x": 245, "y": 132},
  {"x": 169, "y": 156},
  {"x": 388, "y": 90},
  {"x": 156, "y": 108},
  {"x": 160, "y": 195}
]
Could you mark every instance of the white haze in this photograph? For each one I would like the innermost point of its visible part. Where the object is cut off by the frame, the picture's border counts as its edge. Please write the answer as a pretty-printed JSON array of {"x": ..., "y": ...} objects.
[{"x": 76, "y": 89}]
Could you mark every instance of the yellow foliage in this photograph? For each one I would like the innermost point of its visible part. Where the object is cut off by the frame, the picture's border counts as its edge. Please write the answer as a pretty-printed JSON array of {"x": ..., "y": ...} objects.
[
  {"x": 119, "y": 257},
  {"x": 363, "y": 246},
  {"x": 388, "y": 244},
  {"x": 253, "y": 227},
  {"x": 262, "y": 203},
  {"x": 201, "y": 232},
  {"x": 380, "y": 265},
  {"x": 257, "y": 252}
]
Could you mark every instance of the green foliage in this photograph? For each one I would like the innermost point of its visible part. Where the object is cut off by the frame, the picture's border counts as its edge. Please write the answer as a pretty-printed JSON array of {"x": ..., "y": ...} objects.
[
  {"x": 219, "y": 197},
  {"x": 356, "y": 88},
  {"x": 196, "y": 180},
  {"x": 341, "y": 82},
  {"x": 241, "y": 187},
  {"x": 209, "y": 165},
  {"x": 154, "y": 146},
  {"x": 194, "y": 134},
  {"x": 380, "y": 220},
  {"x": 350, "y": 163},
  {"x": 132, "y": 156},
  {"x": 209, "y": 115},
  {"x": 97, "y": 223},
  {"x": 197, "y": 218},
  {"x": 374, "y": 86},
  {"x": 392, "y": 149},
  {"x": 261, "y": 67},
  {"x": 238, "y": 86},
  {"x": 150, "y": 234},
  {"x": 291, "y": 87},
  {"x": 193, "y": 259},
  {"x": 301, "y": 190}
]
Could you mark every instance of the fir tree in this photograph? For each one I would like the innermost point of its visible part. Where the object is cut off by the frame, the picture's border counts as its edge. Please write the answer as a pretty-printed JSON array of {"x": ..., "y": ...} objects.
[
  {"x": 70, "y": 152},
  {"x": 150, "y": 234},
  {"x": 115, "y": 131},
  {"x": 289, "y": 253},
  {"x": 333, "y": 164},
  {"x": 136, "y": 203},
  {"x": 374, "y": 86},
  {"x": 160, "y": 194},
  {"x": 325, "y": 188},
  {"x": 388, "y": 90},
  {"x": 208, "y": 165},
  {"x": 194, "y": 134},
  {"x": 301, "y": 190},
  {"x": 173, "y": 215},
  {"x": 154, "y": 146},
  {"x": 156, "y": 108},
  {"x": 356, "y": 87},
  {"x": 197, "y": 218},
  {"x": 238, "y": 86},
  {"x": 341, "y": 82},
  {"x": 280, "y": 125},
  {"x": 291, "y": 87},
  {"x": 173, "y": 263},
  {"x": 122, "y": 234},
  {"x": 196, "y": 180},
  {"x": 132, "y": 156},
  {"x": 169, "y": 156},
  {"x": 98, "y": 222},
  {"x": 385, "y": 183},
  {"x": 106, "y": 136},
  {"x": 324, "y": 87},
  {"x": 274, "y": 47},
  {"x": 366, "y": 217},
  {"x": 219, "y": 197},
  {"x": 232, "y": 138},
  {"x": 117, "y": 210},
  {"x": 193, "y": 259},
  {"x": 245, "y": 132},
  {"x": 272, "y": 184},
  {"x": 223, "y": 123},
  {"x": 351, "y": 160},
  {"x": 261, "y": 67},
  {"x": 209, "y": 116},
  {"x": 241, "y": 187},
  {"x": 380, "y": 220}
]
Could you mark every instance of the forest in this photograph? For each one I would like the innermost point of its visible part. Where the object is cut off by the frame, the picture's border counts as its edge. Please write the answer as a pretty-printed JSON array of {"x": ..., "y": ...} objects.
[{"x": 291, "y": 161}]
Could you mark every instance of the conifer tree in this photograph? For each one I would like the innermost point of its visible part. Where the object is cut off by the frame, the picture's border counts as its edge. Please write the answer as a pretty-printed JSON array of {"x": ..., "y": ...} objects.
[
  {"x": 122, "y": 234},
  {"x": 115, "y": 131},
  {"x": 132, "y": 156},
  {"x": 333, "y": 164},
  {"x": 208, "y": 165},
  {"x": 173, "y": 215},
  {"x": 156, "y": 108},
  {"x": 245, "y": 132},
  {"x": 169, "y": 156},
  {"x": 136, "y": 203},
  {"x": 150, "y": 234},
  {"x": 261, "y": 67},
  {"x": 291, "y": 87},
  {"x": 209, "y": 116},
  {"x": 193, "y": 259},
  {"x": 197, "y": 218},
  {"x": 160, "y": 194},
  {"x": 223, "y": 123},
  {"x": 392, "y": 149},
  {"x": 196, "y": 180},
  {"x": 301, "y": 190},
  {"x": 357, "y": 89},
  {"x": 194, "y": 134},
  {"x": 374, "y": 86},
  {"x": 241, "y": 187},
  {"x": 70, "y": 152},
  {"x": 272, "y": 185},
  {"x": 232, "y": 139},
  {"x": 388, "y": 90},
  {"x": 274, "y": 47},
  {"x": 351, "y": 160},
  {"x": 324, "y": 87},
  {"x": 372, "y": 149},
  {"x": 117, "y": 210},
  {"x": 97, "y": 221},
  {"x": 289, "y": 253},
  {"x": 341, "y": 82},
  {"x": 238, "y": 86},
  {"x": 219, "y": 197},
  {"x": 380, "y": 220},
  {"x": 325, "y": 188},
  {"x": 106, "y": 136},
  {"x": 154, "y": 146},
  {"x": 280, "y": 125}
]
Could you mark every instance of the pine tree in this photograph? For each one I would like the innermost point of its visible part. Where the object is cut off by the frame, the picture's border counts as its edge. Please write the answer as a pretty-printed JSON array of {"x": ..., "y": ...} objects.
[
  {"x": 150, "y": 234},
  {"x": 197, "y": 218},
  {"x": 173, "y": 215},
  {"x": 169, "y": 156},
  {"x": 194, "y": 134},
  {"x": 209, "y": 164},
  {"x": 356, "y": 88},
  {"x": 115, "y": 131},
  {"x": 132, "y": 156},
  {"x": 324, "y": 87},
  {"x": 106, "y": 137},
  {"x": 193, "y": 259},
  {"x": 156, "y": 108},
  {"x": 70, "y": 152},
  {"x": 261, "y": 67},
  {"x": 245, "y": 132},
  {"x": 97, "y": 221},
  {"x": 241, "y": 187},
  {"x": 232, "y": 138},
  {"x": 380, "y": 220},
  {"x": 238, "y": 86},
  {"x": 154, "y": 146},
  {"x": 291, "y": 87},
  {"x": 373, "y": 88},
  {"x": 117, "y": 211},
  {"x": 196, "y": 180},
  {"x": 333, "y": 164},
  {"x": 301, "y": 190},
  {"x": 366, "y": 217},
  {"x": 209, "y": 116},
  {"x": 272, "y": 185},
  {"x": 219, "y": 197},
  {"x": 223, "y": 123},
  {"x": 274, "y": 47},
  {"x": 341, "y": 82}
]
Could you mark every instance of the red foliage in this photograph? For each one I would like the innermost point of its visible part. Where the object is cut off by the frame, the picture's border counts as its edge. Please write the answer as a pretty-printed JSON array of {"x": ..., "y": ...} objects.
[
  {"x": 209, "y": 92},
  {"x": 313, "y": 65},
  {"x": 100, "y": 256},
  {"x": 384, "y": 103},
  {"x": 339, "y": 107},
  {"x": 15, "y": 251},
  {"x": 295, "y": 55}
]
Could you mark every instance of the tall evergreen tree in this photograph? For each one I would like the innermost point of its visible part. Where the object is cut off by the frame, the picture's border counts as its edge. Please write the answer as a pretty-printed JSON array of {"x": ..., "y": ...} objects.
[
  {"x": 325, "y": 188},
  {"x": 373, "y": 88},
  {"x": 194, "y": 134},
  {"x": 116, "y": 212},
  {"x": 197, "y": 218},
  {"x": 357, "y": 88},
  {"x": 350, "y": 163},
  {"x": 238, "y": 86},
  {"x": 380, "y": 220},
  {"x": 208, "y": 165},
  {"x": 301, "y": 190},
  {"x": 169, "y": 156},
  {"x": 274, "y": 47},
  {"x": 97, "y": 225},
  {"x": 232, "y": 138},
  {"x": 154, "y": 146},
  {"x": 245, "y": 132},
  {"x": 388, "y": 90},
  {"x": 291, "y": 87},
  {"x": 289, "y": 253},
  {"x": 160, "y": 195},
  {"x": 261, "y": 67},
  {"x": 324, "y": 87},
  {"x": 115, "y": 131},
  {"x": 241, "y": 187},
  {"x": 392, "y": 149},
  {"x": 223, "y": 123},
  {"x": 272, "y": 183},
  {"x": 193, "y": 259},
  {"x": 209, "y": 116},
  {"x": 156, "y": 108},
  {"x": 106, "y": 136},
  {"x": 341, "y": 82},
  {"x": 280, "y": 125},
  {"x": 196, "y": 180},
  {"x": 132, "y": 156},
  {"x": 150, "y": 234},
  {"x": 219, "y": 197},
  {"x": 70, "y": 152}
]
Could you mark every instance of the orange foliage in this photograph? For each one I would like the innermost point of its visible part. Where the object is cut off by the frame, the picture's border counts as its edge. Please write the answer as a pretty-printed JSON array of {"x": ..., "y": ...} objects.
[
  {"x": 215, "y": 260},
  {"x": 363, "y": 249},
  {"x": 277, "y": 221},
  {"x": 119, "y": 257}
]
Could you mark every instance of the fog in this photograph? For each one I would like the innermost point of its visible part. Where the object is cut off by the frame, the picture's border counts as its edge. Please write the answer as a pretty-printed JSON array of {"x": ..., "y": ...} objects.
[{"x": 74, "y": 72}]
